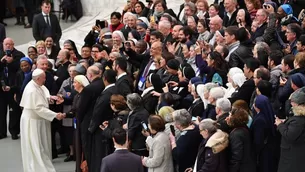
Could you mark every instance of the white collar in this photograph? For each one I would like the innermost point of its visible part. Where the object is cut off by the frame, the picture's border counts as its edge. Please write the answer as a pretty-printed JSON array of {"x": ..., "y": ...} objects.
[
  {"x": 108, "y": 86},
  {"x": 120, "y": 149},
  {"x": 44, "y": 14},
  {"x": 121, "y": 75},
  {"x": 147, "y": 90}
]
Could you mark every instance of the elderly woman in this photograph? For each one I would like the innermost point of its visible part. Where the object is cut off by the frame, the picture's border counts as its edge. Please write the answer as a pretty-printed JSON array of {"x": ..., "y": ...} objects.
[
  {"x": 185, "y": 149},
  {"x": 197, "y": 107},
  {"x": 160, "y": 154},
  {"x": 215, "y": 94},
  {"x": 41, "y": 47},
  {"x": 204, "y": 91},
  {"x": 293, "y": 135},
  {"x": 212, "y": 153},
  {"x": 166, "y": 113},
  {"x": 137, "y": 115},
  {"x": 202, "y": 9},
  {"x": 231, "y": 89},
  {"x": 223, "y": 108},
  {"x": 242, "y": 157},
  {"x": 79, "y": 82}
]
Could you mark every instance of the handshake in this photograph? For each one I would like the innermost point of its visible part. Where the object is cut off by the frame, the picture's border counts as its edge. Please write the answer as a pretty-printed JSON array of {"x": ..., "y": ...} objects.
[{"x": 60, "y": 116}]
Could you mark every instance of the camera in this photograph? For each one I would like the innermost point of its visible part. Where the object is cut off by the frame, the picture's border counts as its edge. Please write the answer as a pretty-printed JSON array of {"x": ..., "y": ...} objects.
[{"x": 8, "y": 53}]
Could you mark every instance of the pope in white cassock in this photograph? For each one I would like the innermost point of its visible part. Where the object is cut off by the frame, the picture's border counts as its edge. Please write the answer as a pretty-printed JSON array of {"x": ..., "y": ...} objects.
[{"x": 35, "y": 125}]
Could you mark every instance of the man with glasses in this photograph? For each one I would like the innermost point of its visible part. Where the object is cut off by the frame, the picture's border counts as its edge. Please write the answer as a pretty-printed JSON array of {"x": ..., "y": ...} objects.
[{"x": 261, "y": 19}]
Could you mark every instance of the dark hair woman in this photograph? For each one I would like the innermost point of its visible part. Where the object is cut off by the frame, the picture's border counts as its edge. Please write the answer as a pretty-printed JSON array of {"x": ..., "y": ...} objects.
[{"x": 218, "y": 69}]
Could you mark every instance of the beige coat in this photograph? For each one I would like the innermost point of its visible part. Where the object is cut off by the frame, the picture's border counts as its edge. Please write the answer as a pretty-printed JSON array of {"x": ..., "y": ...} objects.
[{"x": 160, "y": 153}]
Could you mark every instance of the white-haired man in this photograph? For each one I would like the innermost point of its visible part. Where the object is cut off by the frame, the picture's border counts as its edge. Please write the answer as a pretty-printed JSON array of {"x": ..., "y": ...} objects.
[
  {"x": 35, "y": 125},
  {"x": 223, "y": 107}
]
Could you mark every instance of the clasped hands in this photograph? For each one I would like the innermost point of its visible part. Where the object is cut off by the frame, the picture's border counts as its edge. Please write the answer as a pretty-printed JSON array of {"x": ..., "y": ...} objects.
[{"x": 60, "y": 116}]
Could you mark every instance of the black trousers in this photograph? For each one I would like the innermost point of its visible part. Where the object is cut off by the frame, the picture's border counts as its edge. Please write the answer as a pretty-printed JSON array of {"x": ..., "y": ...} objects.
[
  {"x": 20, "y": 14},
  {"x": 2, "y": 10},
  {"x": 7, "y": 99}
]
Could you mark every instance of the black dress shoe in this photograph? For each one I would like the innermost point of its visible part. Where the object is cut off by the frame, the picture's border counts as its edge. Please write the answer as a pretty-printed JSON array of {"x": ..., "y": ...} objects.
[
  {"x": 69, "y": 158},
  {"x": 3, "y": 136},
  {"x": 54, "y": 156},
  {"x": 15, "y": 137},
  {"x": 3, "y": 23}
]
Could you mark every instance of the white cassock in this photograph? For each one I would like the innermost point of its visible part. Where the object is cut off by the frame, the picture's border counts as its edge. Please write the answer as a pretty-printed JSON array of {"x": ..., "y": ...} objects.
[{"x": 35, "y": 126}]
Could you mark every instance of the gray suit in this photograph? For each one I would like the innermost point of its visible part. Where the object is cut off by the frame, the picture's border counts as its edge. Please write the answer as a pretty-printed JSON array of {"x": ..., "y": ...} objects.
[
  {"x": 160, "y": 154},
  {"x": 122, "y": 160}
]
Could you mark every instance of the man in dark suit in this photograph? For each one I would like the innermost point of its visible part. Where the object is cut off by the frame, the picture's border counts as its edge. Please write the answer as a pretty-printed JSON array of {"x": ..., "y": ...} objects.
[
  {"x": 261, "y": 18},
  {"x": 229, "y": 18},
  {"x": 100, "y": 145},
  {"x": 87, "y": 102},
  {"x": 124, "y": 83},
  {"x": 46, "y": 24},
  {"x": 121, "y": 159}
]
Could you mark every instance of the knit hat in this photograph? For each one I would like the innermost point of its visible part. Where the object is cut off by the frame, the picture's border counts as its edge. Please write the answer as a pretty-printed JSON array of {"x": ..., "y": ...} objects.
[
  {"x": 80, "y": 69},
  {"x": 173, "y": 64},
  {"x": 298, "y": 96},
  {"x": 273, "y": 4},
  {"x": 27, "y": 59},
  {"x": 298, "y": 79},
  {"x": 287, "y": 8}
]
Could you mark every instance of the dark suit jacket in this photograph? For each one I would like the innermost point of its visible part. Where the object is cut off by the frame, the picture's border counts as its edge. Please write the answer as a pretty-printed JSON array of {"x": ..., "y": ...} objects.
[
  {"x": 122, "y": 160},
  {"x": 259, "y": 32},
  {"x": 39, "y": 28},
  {"x": 232, "y": 21},
  {"x": 2, "y": 35},
  {"x": 102, "y": 110},
  {"x": 197, "y": 108},
  {"x": 244, "y": 92},
  {"x": 124, "y": 85}
]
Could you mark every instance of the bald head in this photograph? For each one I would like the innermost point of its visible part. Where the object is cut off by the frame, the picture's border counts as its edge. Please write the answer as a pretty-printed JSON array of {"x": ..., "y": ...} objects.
[
  {"x": 156, "y": 49},
  {"x": 8, "y": 44},
  {"x": 63, "y": 55},
  {"x": 93, "y": 72},
  {"x": 215, "y": 23}
]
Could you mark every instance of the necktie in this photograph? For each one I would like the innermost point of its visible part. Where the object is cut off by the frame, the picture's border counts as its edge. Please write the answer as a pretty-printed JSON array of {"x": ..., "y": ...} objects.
[{"x": 47, "y": 17}]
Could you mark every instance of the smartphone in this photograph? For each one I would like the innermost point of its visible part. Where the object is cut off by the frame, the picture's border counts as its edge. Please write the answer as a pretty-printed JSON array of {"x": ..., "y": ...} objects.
[
  {"x": 107, "y": 36},
  {"x": 8, "y": 53},
  {"x": 172, "y": 129},
  {"x": 144, "y": 126},
  {"x": 101, "y": 24},
  {"x": 194, "y": 118}
]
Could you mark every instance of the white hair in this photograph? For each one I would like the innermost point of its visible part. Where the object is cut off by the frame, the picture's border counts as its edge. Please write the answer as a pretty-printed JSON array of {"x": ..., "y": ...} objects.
[
  {"x": 217, "y": 93},
  {"x": 223, "y": 104},
  {"x": 165, "y": 24},
  {"x": 121, "y": 35}
]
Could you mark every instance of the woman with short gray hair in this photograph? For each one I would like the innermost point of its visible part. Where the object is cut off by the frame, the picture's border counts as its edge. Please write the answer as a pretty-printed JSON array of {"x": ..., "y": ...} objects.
[
  {"x": 137, "y": 115},
  {"x": 186, "y": 147},
  {"x": 211, "y": 153}
]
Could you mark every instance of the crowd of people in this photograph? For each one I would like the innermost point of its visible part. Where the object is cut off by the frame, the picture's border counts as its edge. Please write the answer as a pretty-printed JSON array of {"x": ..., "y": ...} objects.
[{"x": 217, "y": 87}]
